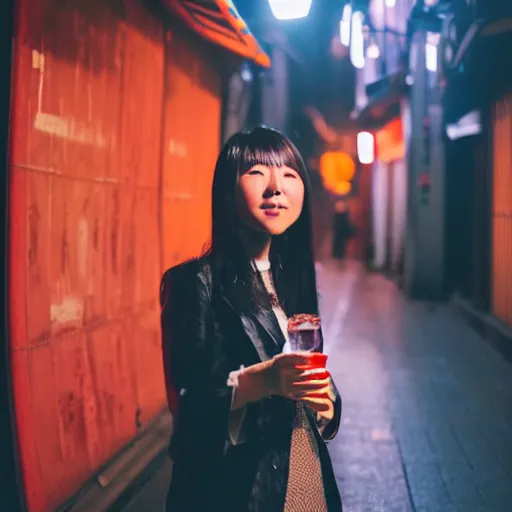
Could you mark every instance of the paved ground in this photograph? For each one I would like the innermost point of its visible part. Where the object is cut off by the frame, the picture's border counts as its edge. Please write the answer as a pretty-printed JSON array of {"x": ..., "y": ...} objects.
[{"x": 427, "y": 423}]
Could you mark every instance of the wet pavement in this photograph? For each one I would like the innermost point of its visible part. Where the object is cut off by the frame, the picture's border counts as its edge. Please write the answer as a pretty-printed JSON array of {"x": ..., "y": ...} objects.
[{"x": 427, "y": 422}]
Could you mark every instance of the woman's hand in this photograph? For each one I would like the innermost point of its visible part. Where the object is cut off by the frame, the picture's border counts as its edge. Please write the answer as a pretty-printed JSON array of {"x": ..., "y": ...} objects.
[
  {"x": 311, "y": 387},
  {"x": 322, "y": 401},
  {"x": 280, "y": 376}
]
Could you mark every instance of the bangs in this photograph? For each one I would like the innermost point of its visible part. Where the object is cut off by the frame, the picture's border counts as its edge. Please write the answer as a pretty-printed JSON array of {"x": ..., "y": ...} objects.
[{"x": 264, "y": 146}]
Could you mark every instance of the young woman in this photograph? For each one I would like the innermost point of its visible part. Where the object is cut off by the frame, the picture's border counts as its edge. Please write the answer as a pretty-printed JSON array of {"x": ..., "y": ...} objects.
[{"x": 249, "y": 426}]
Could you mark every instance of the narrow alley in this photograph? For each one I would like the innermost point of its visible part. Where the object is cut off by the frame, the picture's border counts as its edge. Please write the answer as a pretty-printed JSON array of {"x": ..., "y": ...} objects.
[{"x": 370, "y": 136}]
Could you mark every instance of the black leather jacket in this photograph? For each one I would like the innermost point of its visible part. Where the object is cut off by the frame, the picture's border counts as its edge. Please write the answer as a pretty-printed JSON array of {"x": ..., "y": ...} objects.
[{"x": 205, "y": 337}]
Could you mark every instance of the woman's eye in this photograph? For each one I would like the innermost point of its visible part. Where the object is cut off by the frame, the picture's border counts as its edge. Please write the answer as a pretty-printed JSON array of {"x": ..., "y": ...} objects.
[
  {"x": 290, "y": 175},
  {"x": 254, "y": 171}
]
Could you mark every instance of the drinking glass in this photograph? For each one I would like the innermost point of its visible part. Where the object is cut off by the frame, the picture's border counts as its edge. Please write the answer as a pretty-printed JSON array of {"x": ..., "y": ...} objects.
[{"x": 305, "y": 335}]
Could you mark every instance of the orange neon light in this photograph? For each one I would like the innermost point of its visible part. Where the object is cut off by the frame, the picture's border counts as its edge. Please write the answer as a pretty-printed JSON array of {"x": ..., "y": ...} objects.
[{"x": 337, "y": 169}]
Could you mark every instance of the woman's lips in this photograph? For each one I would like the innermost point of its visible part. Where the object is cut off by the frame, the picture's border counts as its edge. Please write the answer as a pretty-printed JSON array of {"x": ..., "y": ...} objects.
[{"x": 272, "y": 209}]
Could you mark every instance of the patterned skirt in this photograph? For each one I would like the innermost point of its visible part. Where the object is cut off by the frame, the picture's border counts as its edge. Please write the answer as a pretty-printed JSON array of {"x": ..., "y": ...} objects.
[{"x": 305, "y": 491}]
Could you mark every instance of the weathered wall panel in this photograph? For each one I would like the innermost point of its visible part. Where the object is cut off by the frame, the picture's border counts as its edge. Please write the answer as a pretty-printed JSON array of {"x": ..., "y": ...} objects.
[
  {"x": 89, "y": 216},
  {"x": 191, "y": 144}
]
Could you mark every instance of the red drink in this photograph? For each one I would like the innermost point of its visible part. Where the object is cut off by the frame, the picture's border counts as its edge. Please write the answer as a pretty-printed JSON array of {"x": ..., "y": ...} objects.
[{"x": 305, "y": 335}]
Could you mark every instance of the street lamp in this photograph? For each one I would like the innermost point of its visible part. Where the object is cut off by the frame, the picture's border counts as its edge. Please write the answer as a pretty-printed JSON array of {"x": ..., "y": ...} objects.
[
  {"x": 290, "y": 9},
  {"x": 352, "y": 34},
  {"x": 431, "y": 51},
  {"x": 373, "y": 50},
  {"x": 365, "y": 147},
  {"x": 357, "y": 41},
  {"x": 345, "y": 25}
]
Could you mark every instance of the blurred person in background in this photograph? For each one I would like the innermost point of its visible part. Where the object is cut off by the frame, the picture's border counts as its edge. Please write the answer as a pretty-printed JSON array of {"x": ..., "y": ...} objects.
[{"x": 342, "y": 229}]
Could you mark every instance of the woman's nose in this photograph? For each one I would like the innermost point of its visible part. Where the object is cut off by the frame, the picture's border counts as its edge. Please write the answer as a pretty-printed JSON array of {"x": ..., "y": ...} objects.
[{"x": 274, "y": 186}]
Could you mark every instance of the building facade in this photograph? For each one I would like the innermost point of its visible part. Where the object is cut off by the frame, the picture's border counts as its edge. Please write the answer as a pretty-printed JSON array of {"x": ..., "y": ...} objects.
[
  {"x": 382, "y": 108},
  {"x": 477, "y": 105}
]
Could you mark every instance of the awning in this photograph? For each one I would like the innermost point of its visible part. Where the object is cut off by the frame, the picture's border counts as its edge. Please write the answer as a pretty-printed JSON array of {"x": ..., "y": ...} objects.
[
  {"x": 219, "y": 22},
  {"x": 384, "y": 104}
]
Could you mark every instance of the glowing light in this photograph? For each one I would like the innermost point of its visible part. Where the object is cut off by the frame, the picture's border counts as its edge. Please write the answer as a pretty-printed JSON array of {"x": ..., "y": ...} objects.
[
  {"x": 390, "y": 3},
  {"x": 246, "y": 73},
  {"x": 365, "y": 147},
  {"x": 433, "y": 39},
  {"x": 290, "y": 9},
  {"x": 357, "y": 43},
  {"x": 337, "y": 170},
  {"x": 431, "y": 57},
  {"x": 345, "y": 25},
  {"x": 373, "y": 51}
]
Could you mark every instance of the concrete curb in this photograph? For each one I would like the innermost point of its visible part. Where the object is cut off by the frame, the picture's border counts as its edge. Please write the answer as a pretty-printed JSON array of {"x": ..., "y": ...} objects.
[
  {"x": 498, "y": 335},
  {"x": 122, "y": 471}
]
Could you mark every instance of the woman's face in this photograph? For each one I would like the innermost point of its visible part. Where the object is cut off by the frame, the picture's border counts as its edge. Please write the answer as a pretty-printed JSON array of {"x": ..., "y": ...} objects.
[{"x": 270, "y": 199}]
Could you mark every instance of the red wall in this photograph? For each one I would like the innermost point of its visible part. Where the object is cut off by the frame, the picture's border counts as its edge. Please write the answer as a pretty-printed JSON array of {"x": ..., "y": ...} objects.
[
  {"x": 501, "y": 265},
  {"x": 107, "y": 187},
  {"x": 192, "y": 112}
]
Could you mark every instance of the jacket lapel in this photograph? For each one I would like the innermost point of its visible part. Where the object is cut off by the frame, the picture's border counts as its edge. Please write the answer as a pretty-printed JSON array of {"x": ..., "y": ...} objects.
[
  {"x": 268, "y": 321},
  {"x": 262, "y": 329}
]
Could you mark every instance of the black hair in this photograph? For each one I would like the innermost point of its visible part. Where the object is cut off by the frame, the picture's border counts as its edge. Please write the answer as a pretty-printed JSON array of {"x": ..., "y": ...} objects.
[{"x": 291, "y": 254}]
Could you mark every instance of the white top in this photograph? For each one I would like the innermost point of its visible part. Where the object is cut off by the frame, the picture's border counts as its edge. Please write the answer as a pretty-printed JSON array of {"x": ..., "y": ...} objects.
[
  {"x": 264, "y": 266},
  {"x": 237, "y": 417}
]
